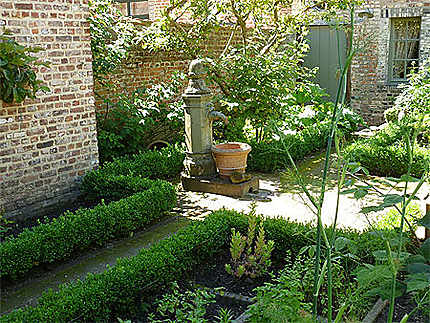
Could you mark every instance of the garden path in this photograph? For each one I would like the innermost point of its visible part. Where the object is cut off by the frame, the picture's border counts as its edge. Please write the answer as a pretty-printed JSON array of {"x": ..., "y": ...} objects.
[
  {"x": 28, "y": 291},
  {"x": 279, "y": 196}
]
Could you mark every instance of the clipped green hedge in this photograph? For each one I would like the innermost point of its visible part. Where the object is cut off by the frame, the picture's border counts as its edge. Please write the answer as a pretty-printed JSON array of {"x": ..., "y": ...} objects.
[
  {"x": 119, "y": 290},
  {"x": 78, "y": 231},
  {"x": 166, "y": 163},
  {"x": 386, "y": 155},
  {"x": 269, "y": 156},
  {"x": 99, "y": 185}
]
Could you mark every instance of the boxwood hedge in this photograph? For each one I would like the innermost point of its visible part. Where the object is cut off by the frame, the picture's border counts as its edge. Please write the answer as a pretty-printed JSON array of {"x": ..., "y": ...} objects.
[
  {"x": 120, "y": 289},
  {"x": 269, "y": 156},
  {"x": 386, "y": 154},
  {"x": 80, "y": 230}
]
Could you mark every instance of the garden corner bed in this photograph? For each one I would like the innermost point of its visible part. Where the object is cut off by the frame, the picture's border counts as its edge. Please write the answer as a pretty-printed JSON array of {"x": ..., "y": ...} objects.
[{"x": 121, "y": 290}]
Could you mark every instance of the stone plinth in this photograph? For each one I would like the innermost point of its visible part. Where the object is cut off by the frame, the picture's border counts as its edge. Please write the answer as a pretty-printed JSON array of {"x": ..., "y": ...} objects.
[{"x": 220, "y": 186}]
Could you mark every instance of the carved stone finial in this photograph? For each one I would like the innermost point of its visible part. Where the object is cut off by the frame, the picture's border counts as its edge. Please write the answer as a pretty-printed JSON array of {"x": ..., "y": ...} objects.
[{"x": 196, "y": 75}]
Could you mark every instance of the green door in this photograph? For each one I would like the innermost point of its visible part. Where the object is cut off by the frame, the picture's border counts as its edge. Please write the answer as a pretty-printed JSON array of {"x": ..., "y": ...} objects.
[{"x": 323, "y": 53}]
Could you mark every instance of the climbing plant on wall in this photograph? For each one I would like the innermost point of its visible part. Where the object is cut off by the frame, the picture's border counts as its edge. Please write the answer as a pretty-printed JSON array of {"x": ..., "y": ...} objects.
[{"x": 18, "y": 79}]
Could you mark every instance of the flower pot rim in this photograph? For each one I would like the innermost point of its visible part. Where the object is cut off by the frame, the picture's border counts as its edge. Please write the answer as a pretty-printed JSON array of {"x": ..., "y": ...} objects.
[{"x": 241, "y": 147}]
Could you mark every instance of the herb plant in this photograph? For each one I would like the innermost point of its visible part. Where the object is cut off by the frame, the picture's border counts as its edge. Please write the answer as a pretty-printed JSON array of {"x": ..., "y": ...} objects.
[{"x": 250, "y": 254}]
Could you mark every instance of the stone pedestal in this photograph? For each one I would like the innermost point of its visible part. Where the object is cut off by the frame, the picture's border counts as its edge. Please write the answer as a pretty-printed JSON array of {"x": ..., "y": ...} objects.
[{"x": 220, "y": 186}]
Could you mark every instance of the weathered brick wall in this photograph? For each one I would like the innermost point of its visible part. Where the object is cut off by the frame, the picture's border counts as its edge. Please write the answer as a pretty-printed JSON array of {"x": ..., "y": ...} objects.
[
  {"x": 47, "y": 144},
  {"x": 371, "y": 91}
]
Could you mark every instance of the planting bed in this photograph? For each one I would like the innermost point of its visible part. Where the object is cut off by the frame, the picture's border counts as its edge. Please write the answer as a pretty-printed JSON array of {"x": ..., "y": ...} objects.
[{"x": 120, "y": 290}]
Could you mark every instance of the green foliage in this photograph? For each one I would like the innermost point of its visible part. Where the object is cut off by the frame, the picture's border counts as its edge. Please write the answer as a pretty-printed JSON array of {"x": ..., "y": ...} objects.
[
  {"x": 270, "y": 155},
  {"x": 18, "y": 79},
  {"x": 133, "y": 121},
  {"x": 250, "y": 254},
  {"x": 119, "y": 290},
  {"x": 257, "y": 88},
  {"x": 111, "y": 36},
  {"x": 283, "y": 300},
  {"x": 392, "y": 114},
  {"x": 392, "y": 218},
  {"x": 166, "y": 164},
  {"x": 386, "y": 154},
  {"x": 189, "y": 306},
  {"x": 83, "y": 229}
]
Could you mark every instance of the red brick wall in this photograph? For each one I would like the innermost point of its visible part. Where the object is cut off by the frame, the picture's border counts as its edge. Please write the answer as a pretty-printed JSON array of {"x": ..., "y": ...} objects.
[
  {"x": 371, "y": 91},
  {"x": 47, "y": 144}
]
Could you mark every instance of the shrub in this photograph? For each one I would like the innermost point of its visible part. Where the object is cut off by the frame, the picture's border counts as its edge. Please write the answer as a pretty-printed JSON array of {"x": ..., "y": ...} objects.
[
  {"x": 392, "y": 114},
  {"x": 166, "y": 163},
  {"x": 119, "y": 290},
  {"x": 98, "y": 186},
  {"x": 268, "y": 156},
  {"x": 78, "y": 231},
  {"x": 131, "y": 122},
  {"x": 386, "y": 155}
]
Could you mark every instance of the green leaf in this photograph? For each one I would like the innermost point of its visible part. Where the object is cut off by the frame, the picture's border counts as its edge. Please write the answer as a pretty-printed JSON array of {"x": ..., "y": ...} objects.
[
  {"x": 425, "y": 221},
  {"x": 341, "y": 243},
  {"x": 392, "y": 199},
  {"x": 425, "y": 249},
  {"x": 417, "y": 268},
  {"x": 369, "y": 209},
  {"x": 359, "y": 194},
  {"x": 416, "y": 259},
  {"x": 417, "y": 282}
]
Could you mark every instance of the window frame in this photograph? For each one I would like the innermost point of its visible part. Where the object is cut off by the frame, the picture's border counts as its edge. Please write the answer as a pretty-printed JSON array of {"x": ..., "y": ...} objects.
[
  {"x": 129, "y": 2},
  {"x": 392, "y": 41}
]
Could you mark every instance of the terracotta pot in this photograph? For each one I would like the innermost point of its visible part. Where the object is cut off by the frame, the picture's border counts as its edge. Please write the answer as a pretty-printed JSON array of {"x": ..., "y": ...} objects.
[{"x": 231, "y": 157}]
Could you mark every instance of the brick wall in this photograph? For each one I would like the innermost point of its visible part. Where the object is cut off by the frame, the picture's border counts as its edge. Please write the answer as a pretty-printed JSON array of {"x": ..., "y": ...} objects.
[
  {"x": 371, "y": 91},
  {"x": 47, "y": 144}
]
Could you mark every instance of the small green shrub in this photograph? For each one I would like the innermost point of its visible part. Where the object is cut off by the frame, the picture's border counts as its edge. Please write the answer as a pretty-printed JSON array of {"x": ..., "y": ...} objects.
[
  {"x": 119, "y": 290},
  {"x": 97, "y": 186},
  {"x": 385, "y": 154},
  {"x": 392, "y": 114},
  {"x": 78, "y": 231},
  {"x": 391, "y": 160},
  {"x": 250, "y": 254},
  {"x": 133, "y": 121},
  {"x": 268, "y": 156}
]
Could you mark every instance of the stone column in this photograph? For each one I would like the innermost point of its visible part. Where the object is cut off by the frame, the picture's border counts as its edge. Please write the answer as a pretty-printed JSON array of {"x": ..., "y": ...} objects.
[{"x": 198, "y": 125}]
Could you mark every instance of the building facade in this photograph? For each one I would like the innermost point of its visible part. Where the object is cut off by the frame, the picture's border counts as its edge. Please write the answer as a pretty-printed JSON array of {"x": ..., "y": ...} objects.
[{"x": 394, "y": 39}]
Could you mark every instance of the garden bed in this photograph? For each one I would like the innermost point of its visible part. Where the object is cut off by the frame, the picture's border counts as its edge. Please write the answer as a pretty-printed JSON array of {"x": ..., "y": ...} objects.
[{"x": 120, "y": 291}]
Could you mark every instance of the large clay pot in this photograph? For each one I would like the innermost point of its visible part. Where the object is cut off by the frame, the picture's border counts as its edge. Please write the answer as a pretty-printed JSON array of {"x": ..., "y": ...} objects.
[{"x": 231, "y": 157}]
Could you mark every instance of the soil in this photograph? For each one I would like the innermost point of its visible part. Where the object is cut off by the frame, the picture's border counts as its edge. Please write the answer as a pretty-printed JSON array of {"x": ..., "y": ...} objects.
[
  {"x": 404, "y": 305},
  {"x": 213, "y": 275}
]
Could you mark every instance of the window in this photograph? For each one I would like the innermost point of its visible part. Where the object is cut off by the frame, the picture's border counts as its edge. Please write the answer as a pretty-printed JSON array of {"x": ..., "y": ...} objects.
[
  {"x": 134, "y": 8},
  {"x": 404, "y": 47}
]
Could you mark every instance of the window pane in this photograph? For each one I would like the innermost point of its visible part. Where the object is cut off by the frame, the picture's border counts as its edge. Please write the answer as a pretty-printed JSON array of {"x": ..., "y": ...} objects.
[
  {"x": 400, "y": 50},
  {"x": 414, "y": 29},
  {"x": 399, "y": 29},
  {"x": 413, "y": 50},
  {"x": 398, "y": 70},
  {"x": 410, "y": 66}
]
